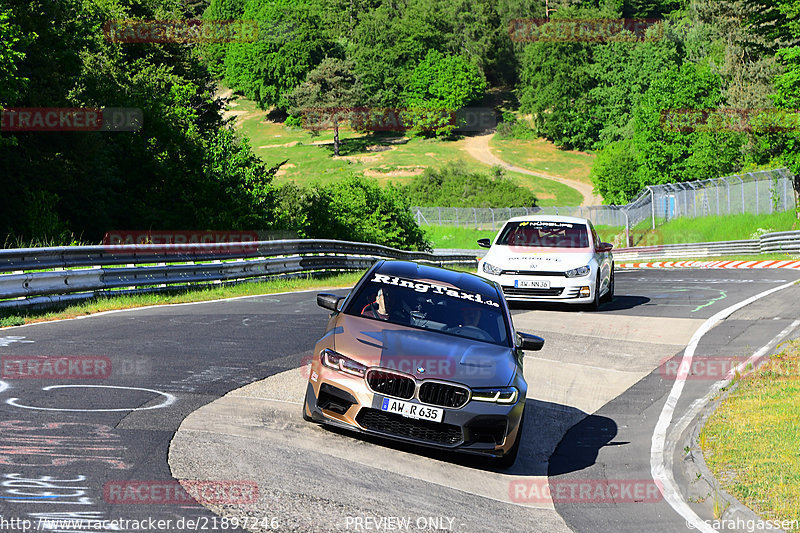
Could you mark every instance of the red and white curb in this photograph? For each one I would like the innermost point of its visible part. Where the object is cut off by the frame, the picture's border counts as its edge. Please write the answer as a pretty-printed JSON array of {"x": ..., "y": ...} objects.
[{"x": 714, "y": 264}]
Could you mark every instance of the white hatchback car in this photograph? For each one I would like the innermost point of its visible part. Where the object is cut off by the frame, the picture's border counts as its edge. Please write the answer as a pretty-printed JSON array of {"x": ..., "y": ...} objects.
[{"x": 549, "y": 258}]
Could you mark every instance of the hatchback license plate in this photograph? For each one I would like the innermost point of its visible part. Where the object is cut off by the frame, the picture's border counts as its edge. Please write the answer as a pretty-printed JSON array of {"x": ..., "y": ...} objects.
[{"x": 531, "y": 284}]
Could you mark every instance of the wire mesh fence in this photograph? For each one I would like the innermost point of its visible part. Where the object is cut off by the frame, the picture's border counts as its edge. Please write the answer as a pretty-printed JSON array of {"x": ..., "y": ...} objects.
[{"x": 762, "y": 192}]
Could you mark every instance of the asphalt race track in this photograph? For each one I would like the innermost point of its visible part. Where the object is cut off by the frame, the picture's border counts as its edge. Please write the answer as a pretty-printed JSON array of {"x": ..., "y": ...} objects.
[{"x": 211, "y": 392}]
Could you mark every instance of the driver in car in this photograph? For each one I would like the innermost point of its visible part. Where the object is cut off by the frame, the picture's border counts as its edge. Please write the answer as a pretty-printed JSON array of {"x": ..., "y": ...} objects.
[
  {"x": 470, "y": 317},
  {"x": 378, "y": 308}
]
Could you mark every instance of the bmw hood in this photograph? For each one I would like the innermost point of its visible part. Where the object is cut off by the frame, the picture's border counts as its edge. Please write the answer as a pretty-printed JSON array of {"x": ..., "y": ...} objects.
[{"x": 425, "y": 354}]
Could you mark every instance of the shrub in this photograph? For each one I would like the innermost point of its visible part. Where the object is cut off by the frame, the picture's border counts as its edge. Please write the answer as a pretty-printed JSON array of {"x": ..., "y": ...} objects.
[
  {"x": 456, "y": 186},
  {"x": 353, "y": 209}
]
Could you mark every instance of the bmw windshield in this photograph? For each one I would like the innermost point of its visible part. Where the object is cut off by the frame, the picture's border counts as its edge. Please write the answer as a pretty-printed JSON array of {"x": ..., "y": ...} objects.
[{"x": 431, "y": 305}]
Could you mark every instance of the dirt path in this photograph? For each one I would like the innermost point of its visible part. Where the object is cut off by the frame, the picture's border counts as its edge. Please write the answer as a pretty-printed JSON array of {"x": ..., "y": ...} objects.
[{"x": 478, "y": 147}]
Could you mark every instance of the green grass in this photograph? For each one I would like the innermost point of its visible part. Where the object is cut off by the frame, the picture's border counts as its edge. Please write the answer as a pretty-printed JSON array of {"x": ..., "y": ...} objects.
[
  {"x": 752, "y": 441},
  {"x": 713, "y": 228},
  {"x": 543, "y": 156},
  {"x": 16, "y": 318},
  {"x": 455, "y": 237},
  {"x": 386, "y": 157}
]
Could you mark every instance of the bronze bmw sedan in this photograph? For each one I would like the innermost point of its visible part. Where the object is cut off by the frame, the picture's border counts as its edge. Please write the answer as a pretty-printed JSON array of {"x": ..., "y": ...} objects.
[{"x": 423, "y": 355}]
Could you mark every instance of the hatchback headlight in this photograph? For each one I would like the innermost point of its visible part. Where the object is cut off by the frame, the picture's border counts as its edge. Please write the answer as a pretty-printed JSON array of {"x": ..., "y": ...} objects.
[
  {"x": 578, "y": 272},
  {"x": 491, "y": 269},
  {"x": 504, "y": 395},
  {"x": 339, "y": 362}
]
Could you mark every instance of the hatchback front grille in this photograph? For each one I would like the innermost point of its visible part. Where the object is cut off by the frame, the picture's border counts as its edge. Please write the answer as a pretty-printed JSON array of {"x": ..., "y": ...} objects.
[
  {"x": 435, "y": 393},
  {"x": 391, "y": 384},
  {"x": 533, "y": 273},
  {"x": 515, "y": 291}
]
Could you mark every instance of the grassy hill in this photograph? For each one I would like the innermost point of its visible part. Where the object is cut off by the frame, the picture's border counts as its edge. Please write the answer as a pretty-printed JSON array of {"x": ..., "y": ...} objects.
[{"x": 385, "y": 157}]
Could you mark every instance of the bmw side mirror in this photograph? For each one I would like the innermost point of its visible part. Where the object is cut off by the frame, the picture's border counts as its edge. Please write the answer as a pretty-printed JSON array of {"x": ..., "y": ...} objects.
[
  {"x": 605, "y": 247},
  {"x": 526, "y": 341},
  {"x": 329, "y": 301},
  {"x": 484, "y": 243}
]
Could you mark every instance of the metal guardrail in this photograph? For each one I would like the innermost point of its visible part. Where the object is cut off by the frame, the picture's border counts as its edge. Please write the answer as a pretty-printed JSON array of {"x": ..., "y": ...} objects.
[
  {"x": 707, "y": 249},
  {"x": 41, "y": 276},
  {"x": 777, "y": 242},
  {"x": 781, "y": 241}
]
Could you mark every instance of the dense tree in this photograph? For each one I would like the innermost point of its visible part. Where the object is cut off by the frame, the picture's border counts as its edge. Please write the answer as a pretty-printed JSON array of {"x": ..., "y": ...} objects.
[
  {"x": 291, "y": 42},
  {"x": 554, "y": 86},
  {"x": 180, "y": 170},
  {"x": 439, "y": 86},
  {"x": 614, "y": 173},
  {"x": 621, "y": 73},
  {"x": 666, "y": 155},
  {"x": 390, "y": 41},
  {"x": 11, "y": 41}
]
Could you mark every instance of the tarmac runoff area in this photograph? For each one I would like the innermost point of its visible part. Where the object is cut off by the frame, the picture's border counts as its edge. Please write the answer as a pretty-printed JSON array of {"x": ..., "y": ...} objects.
[{"x": 315, "y": 479}]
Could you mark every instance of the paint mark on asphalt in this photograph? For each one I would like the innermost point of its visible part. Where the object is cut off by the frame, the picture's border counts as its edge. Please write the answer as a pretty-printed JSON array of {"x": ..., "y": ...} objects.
[
  {"x": 169, "y": 399},
  {"x": 8, "y": 340},
  {"x": 722, "y": 296}
]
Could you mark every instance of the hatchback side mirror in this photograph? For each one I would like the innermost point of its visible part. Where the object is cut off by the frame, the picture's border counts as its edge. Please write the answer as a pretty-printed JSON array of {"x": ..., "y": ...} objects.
[
  {"x": 605, "y": 247},
  {"x": 329, "y": 301},
  {"x": 526, "y": 341},
  {"x": 484, "y": 243}
]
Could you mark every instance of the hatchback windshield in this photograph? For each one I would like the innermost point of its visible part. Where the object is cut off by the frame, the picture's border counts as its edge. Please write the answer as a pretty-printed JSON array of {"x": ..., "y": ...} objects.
[
  {"x": 545, "y": 234},
  {"x": 431, "y": 305}
]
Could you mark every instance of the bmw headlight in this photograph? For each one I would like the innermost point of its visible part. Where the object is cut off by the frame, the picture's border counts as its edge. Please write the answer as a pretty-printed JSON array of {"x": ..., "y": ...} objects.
[
  {"x": 491, "y": 269},
  {"x": 504, "y": 395},
  {"x": 339, "y": 362},
  {"x": 578, "y": 272}
]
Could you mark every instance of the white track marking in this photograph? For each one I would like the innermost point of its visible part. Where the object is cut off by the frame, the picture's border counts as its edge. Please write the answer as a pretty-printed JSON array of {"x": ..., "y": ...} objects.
[
  {"x": 6, "y": 341},
  {"x": 169, "y": 399},
  {"x": 659, "y": 461},
  {"x": 3, "y": 386}
]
